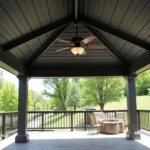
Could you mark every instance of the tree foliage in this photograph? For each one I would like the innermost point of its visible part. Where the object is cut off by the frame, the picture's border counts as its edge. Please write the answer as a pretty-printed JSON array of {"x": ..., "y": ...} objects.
[
  {"x": 57, "y": 88},
  {"x": 99, "y": 91},
  {"x": 74, "y": 98},
  {"x": 1, "y": 79},
  {"x": 8, "y": 97},
  {"x": 143, "y": 83}
]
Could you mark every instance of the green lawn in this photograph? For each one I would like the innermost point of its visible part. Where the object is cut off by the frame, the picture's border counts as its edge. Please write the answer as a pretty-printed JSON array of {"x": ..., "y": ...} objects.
[
  {"x": 57, "y": 120},
  {"x": 143, "y": 102}
]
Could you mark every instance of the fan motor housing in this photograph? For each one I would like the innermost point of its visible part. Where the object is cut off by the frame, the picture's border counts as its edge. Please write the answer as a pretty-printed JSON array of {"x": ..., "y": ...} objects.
[{"x": 76, "y": 39}]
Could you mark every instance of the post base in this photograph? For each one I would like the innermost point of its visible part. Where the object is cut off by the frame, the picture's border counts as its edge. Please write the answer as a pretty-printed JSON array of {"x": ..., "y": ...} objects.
[
  {"x": 133, "y": 135},
  {"x": 22, "y": 138}
]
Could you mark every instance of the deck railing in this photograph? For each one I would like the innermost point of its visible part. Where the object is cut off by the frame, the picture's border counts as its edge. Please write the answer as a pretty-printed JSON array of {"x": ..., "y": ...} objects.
[
  {"x": 8, "y": 123},
  {"x": 144, "y": 119},
  {"x": 51, "y": 120}
]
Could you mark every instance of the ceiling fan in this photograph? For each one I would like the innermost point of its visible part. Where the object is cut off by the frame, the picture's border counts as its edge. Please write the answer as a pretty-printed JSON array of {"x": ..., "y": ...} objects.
[{"x": 78, "y": 43}]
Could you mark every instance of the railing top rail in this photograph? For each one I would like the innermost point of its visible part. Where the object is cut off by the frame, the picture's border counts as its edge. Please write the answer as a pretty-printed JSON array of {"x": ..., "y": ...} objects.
[
  {"x": 78, "y": 111},
  {"x": 143, "y": 110},
  {"x": 8, "y": 112},
  {"x": 69, "y": 111}
]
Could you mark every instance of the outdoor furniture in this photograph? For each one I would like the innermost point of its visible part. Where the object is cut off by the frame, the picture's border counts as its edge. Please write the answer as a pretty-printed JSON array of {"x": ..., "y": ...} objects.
[
  {"x": 112, "y": 126},
  {"x": 99, "y": 116},
  {"x": 121, "y": 126},
  {"x": 93, "y": 123}
]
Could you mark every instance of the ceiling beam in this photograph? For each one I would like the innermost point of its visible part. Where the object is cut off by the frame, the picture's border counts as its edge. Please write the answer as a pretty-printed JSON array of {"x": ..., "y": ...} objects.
[
  {"x": 36, "y": 33},
  {"x": 45, "y": 45},
  {"x": 140, "y": 65},
  {"x": 110, "y": 48},
  {"x": 116, "y": 32},
  {"x": 10, "y": 64},
  {"x": 92, "y": 71},
  {"x": 76, "y": 10}
]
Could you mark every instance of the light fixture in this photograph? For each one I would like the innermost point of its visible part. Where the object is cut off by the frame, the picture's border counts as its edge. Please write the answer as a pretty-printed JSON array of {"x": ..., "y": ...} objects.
[{"x": 77, "y": 50}]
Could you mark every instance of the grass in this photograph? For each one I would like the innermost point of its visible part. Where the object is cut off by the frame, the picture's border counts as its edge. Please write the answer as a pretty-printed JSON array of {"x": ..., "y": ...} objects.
[
  {"x": 61, "y": 120},
  {"x": 143, "y": 103}
]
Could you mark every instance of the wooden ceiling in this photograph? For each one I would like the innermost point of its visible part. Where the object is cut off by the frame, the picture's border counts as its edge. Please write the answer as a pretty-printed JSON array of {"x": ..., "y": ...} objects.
[{"x": 29, "y": 30}]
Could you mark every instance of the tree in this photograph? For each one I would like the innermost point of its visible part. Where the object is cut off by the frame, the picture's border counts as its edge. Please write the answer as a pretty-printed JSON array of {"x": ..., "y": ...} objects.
[
  {"x": 149, "y": 91},
  {"x": 30, "y": 100},
  {"x": 1, "y": 79},
  {"x": 99, "y": 91},
  {"x": 36, "y": 98},
  {"x": 74, "y": 97},
  {"x": 143, "y": 83},
  {"x": 57, "y": 89},
  {"x": 8, "y": 97}
]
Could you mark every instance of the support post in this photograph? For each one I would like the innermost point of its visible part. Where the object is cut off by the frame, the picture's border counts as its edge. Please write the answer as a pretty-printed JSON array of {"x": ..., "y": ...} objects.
[
  {"x": 22, "y": 136},
  {"x": 132, "y": 133}
]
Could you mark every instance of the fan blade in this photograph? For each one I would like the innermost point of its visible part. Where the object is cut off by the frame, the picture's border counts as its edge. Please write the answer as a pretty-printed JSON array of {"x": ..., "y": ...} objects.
[
  {"x": 88, "y": 39},
  {"x": 94, "y": 46},
  {"x": 84, "y": 52},
  {"x": 64, "y": 41},
  {"x": 63, "y": 49}
]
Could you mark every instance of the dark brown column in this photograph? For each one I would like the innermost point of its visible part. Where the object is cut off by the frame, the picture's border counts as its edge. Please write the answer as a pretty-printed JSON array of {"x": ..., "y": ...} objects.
[
  {"x": 132, "y": 132},
  {"x": 22, "y": 136}
]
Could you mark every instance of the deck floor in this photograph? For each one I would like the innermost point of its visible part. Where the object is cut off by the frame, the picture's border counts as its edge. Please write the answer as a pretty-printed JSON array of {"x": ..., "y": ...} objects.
[{"x": 76, "y": 140}]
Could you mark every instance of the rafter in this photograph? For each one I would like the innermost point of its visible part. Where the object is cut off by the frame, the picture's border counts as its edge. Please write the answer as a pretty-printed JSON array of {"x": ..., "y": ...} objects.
[
  {"x": 116, "y": 32},
  {"x": 45, "y": 45},
  {"x": 36, "y": 33},
  {"x": 111, "y": 49},
  {"x": 141, "y": 64},
  {"x": 10, "y": 64}
]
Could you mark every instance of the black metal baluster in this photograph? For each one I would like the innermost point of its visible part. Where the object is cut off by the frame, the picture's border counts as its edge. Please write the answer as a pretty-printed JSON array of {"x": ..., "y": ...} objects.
[{"x": 4, "y": 125}]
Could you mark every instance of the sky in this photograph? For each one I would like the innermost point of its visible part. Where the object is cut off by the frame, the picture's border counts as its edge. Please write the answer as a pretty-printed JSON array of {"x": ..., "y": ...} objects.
[{"x": 34, "y": 84}]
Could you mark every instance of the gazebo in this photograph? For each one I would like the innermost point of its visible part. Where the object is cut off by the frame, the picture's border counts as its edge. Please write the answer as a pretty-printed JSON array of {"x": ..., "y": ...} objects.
[{"x": 32, "y": 30}]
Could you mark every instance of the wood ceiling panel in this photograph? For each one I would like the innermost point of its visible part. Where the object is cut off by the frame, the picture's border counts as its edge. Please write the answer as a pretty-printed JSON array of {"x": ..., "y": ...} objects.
[
  {"x": 6, "y": 17},
  {"x": 126, "y": 48},
  {"x": 145, "y": 32},
  {"x": 141, "y": 21},
  {"x": 108, "y": 10},
  {"x": 5, "y": 36},
  {"x": 132, "y": 13},
  {"x": 17, "y": 54},
  {"x": 14, "y": 12},
  {"x": 120, "y": 12}
]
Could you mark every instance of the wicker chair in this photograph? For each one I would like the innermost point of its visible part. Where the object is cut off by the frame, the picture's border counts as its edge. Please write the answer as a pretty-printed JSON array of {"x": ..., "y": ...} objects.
[
  {"x": 93, "y": 123},
  {"x": 99, "y": 116}
]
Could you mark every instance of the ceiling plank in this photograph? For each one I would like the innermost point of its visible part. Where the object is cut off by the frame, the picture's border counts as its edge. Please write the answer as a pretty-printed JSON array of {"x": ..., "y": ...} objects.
[
  {"x": 123, "y": 35},
  {"x": 36, "y": 33},
  {"x": 10, "y": 64},
  {"x": 140, "y": 65},
  {"x": 45, "y": 45},
  {"x": 110, "y": 48}
]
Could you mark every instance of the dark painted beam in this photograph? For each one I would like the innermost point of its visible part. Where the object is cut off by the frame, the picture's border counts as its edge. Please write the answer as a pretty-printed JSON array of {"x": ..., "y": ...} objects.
[
  {"x": 110, "y": 48},
  {"x": 76, "y": 71},
  {"x": 45, "y": 45},
  {"x": 116, "y": 32},
  {"x": 140, "y": 65},
  {"x": 76, "y": 10},
  {"x": 36, "y": 33},
  {"x": 10, "y": 64}
]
